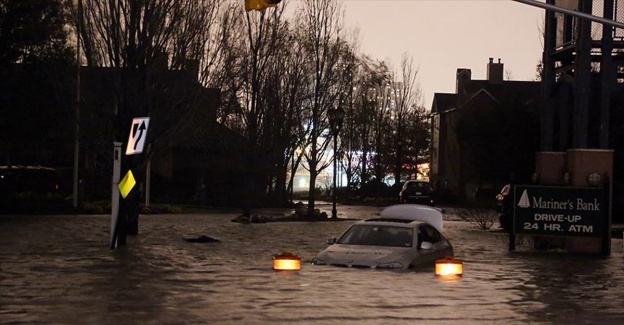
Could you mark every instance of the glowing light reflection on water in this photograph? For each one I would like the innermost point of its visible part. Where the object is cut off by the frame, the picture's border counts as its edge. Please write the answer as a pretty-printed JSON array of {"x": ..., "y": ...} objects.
[{"x": 58, "y": 269}]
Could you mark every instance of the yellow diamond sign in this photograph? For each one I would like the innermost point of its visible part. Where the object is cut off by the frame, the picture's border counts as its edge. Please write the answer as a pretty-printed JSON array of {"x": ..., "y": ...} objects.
[{"x": 126, "y": 184}]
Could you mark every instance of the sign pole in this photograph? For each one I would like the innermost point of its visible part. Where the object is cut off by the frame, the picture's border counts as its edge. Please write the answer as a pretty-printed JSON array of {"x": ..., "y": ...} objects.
[
  {"x": 512, "y": 241},
  {"x": 606, "y": 237},
  {"x": 512, "y": 231},
  {"x": 115, "y": 193}
]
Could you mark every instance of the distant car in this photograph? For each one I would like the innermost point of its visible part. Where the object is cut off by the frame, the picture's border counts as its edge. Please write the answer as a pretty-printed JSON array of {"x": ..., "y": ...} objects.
[
  {"x": 405, "y": 236},
  {"x": 419, "y": 192},
  {"x": 35, "y": 179}
]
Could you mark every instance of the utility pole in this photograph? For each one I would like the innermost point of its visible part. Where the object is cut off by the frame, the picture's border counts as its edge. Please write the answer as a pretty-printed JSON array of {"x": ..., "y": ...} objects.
[
  {"x": 77, "y": 108},
  {"x": 572, "y": 13}
]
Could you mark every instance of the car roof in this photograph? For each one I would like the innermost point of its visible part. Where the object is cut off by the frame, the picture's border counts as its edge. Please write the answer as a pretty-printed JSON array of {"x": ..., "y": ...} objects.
[
  {"x": 412, "y": 181},
  {"x": 390, "y": 221},
  {"x": 417, "y": 212},
  {"x": 20, "y": 167}
]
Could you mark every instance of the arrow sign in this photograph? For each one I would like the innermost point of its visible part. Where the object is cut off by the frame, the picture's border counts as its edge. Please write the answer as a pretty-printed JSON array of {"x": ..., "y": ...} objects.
[{"x": 138, "y": 133}]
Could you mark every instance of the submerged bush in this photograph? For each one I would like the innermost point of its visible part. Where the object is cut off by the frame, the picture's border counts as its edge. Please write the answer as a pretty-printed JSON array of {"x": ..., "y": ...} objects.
[
  {"x": 33, "y": 203},
  {"x": 481, "y": 217}
]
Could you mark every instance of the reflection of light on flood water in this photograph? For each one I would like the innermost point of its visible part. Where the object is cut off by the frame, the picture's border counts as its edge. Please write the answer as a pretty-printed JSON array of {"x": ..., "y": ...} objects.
[{"x": 59, "y": 269}]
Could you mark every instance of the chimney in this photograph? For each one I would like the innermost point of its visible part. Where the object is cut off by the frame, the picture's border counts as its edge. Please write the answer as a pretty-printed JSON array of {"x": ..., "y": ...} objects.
[
  {"x": 461, "y": 76},
  {"x": 495, "y": 72}
]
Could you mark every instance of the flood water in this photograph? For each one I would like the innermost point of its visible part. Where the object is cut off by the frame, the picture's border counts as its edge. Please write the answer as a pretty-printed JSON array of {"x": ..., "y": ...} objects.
[{"x": 60, "y": 270}]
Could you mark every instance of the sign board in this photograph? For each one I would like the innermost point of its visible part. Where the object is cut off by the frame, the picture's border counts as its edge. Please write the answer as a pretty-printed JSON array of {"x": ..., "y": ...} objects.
[
  {"x": 127, "y": 184},
  {"x": 138, "y": 133},
  {"x": 560, "y": 211}
]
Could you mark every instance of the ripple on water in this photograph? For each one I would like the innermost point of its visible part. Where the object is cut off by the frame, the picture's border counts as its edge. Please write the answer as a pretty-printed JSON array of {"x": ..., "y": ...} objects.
[{"x": 59, "y": 269}]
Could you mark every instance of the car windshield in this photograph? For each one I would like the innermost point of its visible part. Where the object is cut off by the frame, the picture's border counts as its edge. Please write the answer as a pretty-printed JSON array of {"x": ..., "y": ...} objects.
[
  {"x": 378, "y": 235},
  {"x": 418, "y": 185}
]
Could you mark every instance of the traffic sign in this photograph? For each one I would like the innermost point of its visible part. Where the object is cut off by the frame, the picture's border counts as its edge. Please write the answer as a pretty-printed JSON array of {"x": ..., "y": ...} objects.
[
  {"x": 127, "y": 184},
  {"x": 138, "y": 133}
]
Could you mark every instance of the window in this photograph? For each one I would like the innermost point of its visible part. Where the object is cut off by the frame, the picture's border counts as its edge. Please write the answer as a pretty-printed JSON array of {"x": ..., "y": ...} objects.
[
  {"x": 429, "y": 234},
  {"x": 378, "y": 235}
]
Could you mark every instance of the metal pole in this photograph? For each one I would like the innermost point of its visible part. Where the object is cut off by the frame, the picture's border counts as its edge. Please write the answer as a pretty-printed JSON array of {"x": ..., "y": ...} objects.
[
  {"x": 572, "y": 12},
  {"x": 148, "y": 182},
  {"x": 77, "y": 109},
  {"x": 114, "y": 242},
  {"x": 334, "y": 211}
]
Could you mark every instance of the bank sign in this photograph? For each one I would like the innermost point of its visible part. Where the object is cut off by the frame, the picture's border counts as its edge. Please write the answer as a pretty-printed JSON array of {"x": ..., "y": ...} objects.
[{"x": 559, "y": 211}]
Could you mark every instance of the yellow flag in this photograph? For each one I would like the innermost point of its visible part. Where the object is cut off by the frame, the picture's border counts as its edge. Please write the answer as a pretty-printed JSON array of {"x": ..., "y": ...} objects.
[
  {"x": 260, "y": 5},
  {"x": 126, "y": 184}
]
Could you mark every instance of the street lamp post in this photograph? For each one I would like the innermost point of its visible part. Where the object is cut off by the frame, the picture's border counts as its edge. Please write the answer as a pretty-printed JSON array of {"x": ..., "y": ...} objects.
[{"x": 335, "y": 116}]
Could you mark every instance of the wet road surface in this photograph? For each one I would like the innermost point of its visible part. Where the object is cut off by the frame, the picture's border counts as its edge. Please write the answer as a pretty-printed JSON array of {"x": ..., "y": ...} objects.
[{"x": 60, "y": 270}]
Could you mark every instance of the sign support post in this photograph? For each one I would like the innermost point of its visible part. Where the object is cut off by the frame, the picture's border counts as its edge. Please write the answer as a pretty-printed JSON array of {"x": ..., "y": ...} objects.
[
  {"x": 115, "y": 195},
  {"x": 124, "y": 215}
]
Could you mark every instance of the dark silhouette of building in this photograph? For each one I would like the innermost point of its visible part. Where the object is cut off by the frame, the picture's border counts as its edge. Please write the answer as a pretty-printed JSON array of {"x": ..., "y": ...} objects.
[
  {"x": 192, "y": 158},
  {"x": 479, "y": 131}
]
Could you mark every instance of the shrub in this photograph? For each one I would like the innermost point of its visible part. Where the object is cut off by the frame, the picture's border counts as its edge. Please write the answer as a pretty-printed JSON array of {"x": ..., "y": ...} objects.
[
  {"x": 33, "y": 203},
  {"x": 175, "y": 210},
  {"x": 483, "y": 218}
]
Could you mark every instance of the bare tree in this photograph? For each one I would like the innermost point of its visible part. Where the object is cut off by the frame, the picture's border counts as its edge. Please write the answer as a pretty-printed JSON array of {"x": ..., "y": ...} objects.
[
  {"x": 406, "y": 96},
  {"x": 372, "y": 118},
  {"x": 141, "y": 40},
  {"x": 252, "y": 91},
  {"x": 153, "y": 51},
  {"x": 287, "y": 91},
  {"x": 320, "y": 29},
  {"x": 349, "y": 146}
]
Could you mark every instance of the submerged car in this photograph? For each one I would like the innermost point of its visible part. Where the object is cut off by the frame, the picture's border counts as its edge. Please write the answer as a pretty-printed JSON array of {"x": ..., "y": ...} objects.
[
  {"x": 418, "y": 192},
  {"x": 405, "y": 236}
]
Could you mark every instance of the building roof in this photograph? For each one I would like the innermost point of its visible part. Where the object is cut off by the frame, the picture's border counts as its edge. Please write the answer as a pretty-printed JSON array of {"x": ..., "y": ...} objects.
[
  {"x": 443, "y": 102},
  {"x": 494, "y": 88},
  {"x": 522, "y": 91}
]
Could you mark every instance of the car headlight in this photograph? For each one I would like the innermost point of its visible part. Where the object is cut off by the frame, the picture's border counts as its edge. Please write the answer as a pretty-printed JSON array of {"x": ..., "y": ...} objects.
[
  {"x": 393, "y": 265},
  {"x": 317, "y": 261}
]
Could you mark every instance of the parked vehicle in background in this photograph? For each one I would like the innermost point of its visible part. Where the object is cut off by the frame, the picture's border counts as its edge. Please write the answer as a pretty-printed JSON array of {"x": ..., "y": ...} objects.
[
  {"x": 31, "y": 190},
  {"x": 419, "y": 192},
  {"x": 35, "y": 179}
]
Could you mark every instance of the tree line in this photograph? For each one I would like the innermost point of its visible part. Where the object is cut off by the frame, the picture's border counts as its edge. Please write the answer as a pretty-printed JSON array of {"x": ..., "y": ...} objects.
[{"x": 280, "y": 72}]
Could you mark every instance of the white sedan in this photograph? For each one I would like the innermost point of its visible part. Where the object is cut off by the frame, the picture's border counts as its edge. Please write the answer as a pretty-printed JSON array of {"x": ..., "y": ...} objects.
[{"x": 405, "y": 236}]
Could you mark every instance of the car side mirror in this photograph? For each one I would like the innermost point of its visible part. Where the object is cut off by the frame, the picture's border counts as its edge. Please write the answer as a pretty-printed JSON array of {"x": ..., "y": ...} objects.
[
  {"x": 331, "y": 241},
  {"x": 426, "y": 245}
]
